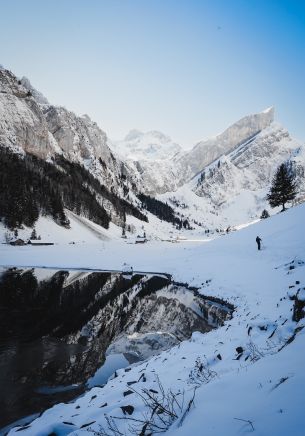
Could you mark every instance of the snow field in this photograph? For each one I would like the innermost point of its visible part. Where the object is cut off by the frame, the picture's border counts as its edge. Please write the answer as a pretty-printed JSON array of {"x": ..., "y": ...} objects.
[{"x": 256, "y": 377}]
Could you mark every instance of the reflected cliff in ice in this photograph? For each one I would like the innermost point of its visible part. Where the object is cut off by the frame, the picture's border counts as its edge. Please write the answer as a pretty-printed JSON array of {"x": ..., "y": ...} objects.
[{"x": 58, "y": 327}]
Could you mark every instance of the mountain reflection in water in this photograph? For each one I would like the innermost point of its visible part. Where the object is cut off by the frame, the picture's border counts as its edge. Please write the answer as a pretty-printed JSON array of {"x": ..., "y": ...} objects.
[{"x": 55, "y": 328}]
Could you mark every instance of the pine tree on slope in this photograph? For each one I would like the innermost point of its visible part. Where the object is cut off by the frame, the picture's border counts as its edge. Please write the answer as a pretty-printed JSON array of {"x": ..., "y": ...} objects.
[{"x": 283, "y": 188}]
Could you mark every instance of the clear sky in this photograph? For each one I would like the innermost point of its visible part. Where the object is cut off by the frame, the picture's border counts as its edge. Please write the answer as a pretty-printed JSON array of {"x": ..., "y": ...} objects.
[{"x": 186, "y": 67}]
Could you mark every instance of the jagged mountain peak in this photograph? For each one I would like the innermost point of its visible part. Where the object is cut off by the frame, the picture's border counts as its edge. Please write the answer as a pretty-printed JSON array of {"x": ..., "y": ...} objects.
[
  {"x": 269, "y": 110},
  {"x": 204, "y": 152},
  {"x": 162, "y": 166},
  {"x": 30, "y": 122},
  {"x": 232, "y": 188}
]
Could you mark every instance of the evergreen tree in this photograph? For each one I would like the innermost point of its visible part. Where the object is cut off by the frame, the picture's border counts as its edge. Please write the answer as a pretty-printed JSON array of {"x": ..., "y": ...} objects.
[
  {"x": 33, "y": 234},
  {"x": 283, "y": 188}
]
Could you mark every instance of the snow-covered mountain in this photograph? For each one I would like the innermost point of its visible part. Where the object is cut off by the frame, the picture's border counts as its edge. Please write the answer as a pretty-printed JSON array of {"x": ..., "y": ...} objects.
[
  {"x": 220, "y": 182},
  {"x": 242, "y": 370},
  {"x": 39, "y": 97},
  {"x": 255, "y": 145},
  {"x": 30, "y": 126},
  {"x": 152, "y": 158},
  {"x": 240, "y": 132},
  {"x": 232, "y": 189},
  {"x": 29, "y": 123},
  {"x": 153, "y": 145}
]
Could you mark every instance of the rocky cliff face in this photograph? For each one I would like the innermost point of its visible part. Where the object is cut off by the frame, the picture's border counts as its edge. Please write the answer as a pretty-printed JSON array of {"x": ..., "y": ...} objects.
[
  {"x": 22, "y": 123},
  {"x": 250, "y": 166},
  {"x": 232, "y": 189},
  {"x": 240, "y": 132},
  {"x": 29, "y": 124},
  {"x": 162, "y": 168}
]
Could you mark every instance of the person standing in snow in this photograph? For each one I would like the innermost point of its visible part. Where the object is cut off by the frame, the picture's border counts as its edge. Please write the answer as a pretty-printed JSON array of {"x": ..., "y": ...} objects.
[{"x": 258, "y": 241}]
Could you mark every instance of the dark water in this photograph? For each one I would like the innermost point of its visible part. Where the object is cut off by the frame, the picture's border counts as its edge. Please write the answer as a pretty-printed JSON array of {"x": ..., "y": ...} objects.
[{"x": 55, "y": 328}]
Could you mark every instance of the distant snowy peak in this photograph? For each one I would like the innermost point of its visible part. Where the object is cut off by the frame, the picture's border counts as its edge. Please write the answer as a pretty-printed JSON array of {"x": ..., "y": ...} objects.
[
  {"x": 133, "y": 135},
  {"x": 153, "y": 145}
]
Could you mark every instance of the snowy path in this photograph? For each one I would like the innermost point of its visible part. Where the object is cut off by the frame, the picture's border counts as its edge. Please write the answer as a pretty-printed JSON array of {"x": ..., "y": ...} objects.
[{"x": 89, "y": 225}]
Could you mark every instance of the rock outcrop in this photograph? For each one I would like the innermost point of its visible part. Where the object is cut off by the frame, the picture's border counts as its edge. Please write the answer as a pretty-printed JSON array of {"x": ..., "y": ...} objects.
[
  {"x": 22, "y": 123},
  {"x": 240, "y": 132}
]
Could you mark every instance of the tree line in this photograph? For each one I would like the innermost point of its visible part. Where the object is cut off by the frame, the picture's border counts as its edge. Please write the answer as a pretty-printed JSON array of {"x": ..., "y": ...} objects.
[
  {"x": 31, "y": 186},
  {"x": 163, "y": 211}
]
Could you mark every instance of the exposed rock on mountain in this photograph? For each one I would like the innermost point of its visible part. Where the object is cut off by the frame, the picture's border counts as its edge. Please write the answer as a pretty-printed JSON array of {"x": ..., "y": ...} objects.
[
  {"x": 240, "y": 132},
  {"x": 232, "y": 189},
  {"x": 162, "y": 166},
  {"x": 29, "y": 125},
  {"x": 232, "y": 170},
  {"x": 250, "y": 166},
  {"x": 22, "y": 123}
]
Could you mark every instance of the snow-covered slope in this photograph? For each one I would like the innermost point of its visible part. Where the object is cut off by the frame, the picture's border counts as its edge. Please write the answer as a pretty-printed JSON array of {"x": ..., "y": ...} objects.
[
  {"x": 152, "y": 158},
  {"x": 81, "y": 231},
  {"x": 246, "y": 376},
  {"x": 232, "y": 189}
]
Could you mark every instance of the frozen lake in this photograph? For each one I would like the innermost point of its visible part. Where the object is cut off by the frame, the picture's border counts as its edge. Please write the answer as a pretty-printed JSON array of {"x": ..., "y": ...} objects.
[{"x": 62, "y": 331}]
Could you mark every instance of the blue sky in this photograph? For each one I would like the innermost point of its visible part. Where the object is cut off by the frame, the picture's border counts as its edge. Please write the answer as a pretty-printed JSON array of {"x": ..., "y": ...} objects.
[{"x": 188, "y": 68}]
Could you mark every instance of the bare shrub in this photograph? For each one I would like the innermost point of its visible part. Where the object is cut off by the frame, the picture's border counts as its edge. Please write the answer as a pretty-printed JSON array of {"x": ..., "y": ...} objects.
[
  {"x": 202, "y": 373},
  {"x": 162, "y": 409}
]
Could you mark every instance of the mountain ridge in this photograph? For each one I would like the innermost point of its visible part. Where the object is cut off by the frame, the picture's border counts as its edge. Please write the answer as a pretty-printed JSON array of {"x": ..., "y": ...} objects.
[
  {"x": 203, "y": 185},
  {"x": 56, "y": 136}
]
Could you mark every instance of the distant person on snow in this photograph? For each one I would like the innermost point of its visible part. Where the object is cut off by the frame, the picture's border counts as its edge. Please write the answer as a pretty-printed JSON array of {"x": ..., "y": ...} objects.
[{"x": 258, "y": 241}]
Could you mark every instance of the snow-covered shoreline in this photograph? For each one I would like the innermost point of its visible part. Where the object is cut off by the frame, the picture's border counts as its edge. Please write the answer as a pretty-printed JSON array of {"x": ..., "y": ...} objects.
[{"x": 249, "y": 387}]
